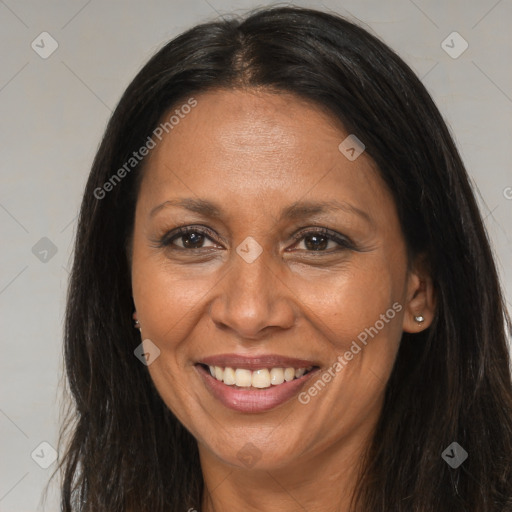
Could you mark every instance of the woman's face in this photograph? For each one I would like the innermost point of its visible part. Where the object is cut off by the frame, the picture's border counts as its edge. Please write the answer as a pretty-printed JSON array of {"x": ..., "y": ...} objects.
[{"x": 292, "y": 259}]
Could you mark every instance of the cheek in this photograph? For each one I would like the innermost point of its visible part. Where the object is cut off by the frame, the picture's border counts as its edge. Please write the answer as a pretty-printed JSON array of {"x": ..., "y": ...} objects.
[
  {"x": 345, "y": 303},
  {"x": 168, "y": 300},
  {"x": 359, "y": 314},
  {"x": 168, "y": 307}
]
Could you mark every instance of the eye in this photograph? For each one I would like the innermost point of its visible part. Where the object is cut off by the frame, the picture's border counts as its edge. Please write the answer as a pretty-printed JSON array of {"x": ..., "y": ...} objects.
[
  {"x": 200, "y": 237},
  {"x": 189, "y": 237},
  {"x": 321, "y": 240}
]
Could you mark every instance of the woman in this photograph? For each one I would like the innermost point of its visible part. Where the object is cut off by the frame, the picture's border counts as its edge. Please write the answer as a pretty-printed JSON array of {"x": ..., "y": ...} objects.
[{"x": 283, "y": 296}]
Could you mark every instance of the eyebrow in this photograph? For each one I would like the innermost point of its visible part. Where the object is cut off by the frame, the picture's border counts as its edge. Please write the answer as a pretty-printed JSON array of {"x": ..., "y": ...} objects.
[
  {"x": 297, "y": 210},
  {"x": 201, "y": 206},
  {"x": 310, "y": 208}
]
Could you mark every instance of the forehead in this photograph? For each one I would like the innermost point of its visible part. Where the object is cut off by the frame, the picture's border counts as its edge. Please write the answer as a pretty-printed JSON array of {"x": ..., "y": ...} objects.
[{"x": 239, "y": 146}]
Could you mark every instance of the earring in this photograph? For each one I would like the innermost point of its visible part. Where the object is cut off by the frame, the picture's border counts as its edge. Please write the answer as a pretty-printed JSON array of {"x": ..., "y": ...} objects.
[
  {"x": 136, "y": 323},
  {"x": 419, "y": 319}
]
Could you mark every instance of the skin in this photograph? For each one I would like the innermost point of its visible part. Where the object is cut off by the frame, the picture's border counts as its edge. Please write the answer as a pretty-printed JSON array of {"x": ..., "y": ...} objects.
[{"x": 254, "y": 154}]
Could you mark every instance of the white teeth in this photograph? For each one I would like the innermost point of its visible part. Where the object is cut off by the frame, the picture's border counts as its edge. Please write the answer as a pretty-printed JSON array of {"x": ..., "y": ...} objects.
[
  {"x": 262, "y": 379},
  {"x": 276, "y": 376},
  {"x": 243, "y": 378},
  {"x": 289, "y": 374},
  {"x": 229, "y": 376}
]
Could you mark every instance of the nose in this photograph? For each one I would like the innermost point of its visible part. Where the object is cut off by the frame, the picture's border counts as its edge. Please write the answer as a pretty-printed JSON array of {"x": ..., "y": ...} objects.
[{"x": 251, "y": 300}]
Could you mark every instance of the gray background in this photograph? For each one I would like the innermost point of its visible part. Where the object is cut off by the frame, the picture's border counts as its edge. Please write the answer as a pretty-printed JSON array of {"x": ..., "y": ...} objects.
[{"x": 54, "y": 110}]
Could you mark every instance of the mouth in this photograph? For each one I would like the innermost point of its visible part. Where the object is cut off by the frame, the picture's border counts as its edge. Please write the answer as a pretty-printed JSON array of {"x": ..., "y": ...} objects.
[{"x": 257, "y": 384}]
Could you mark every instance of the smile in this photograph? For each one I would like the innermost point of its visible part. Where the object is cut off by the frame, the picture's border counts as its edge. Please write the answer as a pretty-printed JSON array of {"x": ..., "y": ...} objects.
[
  {"x": 254, "y": 384},
  {"x": 261, "y": 379}
]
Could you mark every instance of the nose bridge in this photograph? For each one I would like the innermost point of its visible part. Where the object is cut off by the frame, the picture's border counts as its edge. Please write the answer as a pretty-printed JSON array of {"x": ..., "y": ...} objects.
[
  {"x": 251, "y": 281},
  {"x": 250, "y": 300}
]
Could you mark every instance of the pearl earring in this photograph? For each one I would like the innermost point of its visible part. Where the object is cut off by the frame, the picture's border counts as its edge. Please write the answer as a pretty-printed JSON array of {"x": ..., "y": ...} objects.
[{"x": 419, "y": 319}]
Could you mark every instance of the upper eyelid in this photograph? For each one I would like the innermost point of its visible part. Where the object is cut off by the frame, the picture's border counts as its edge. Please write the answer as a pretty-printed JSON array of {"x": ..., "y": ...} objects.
[
  {"x": 316, "y": 229},
  {"x": 183, "y": 230}
]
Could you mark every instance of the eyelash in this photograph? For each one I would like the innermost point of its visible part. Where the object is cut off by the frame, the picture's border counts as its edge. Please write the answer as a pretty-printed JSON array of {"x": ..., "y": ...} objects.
[
  {"x": 342, "y": 241},
  {"x": 167, "y": 240}
]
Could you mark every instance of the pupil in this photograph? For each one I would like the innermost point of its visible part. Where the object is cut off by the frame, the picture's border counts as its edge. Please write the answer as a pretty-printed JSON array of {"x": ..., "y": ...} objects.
[
  {"x": 193, "y": 240},
  {"x": 315, "y": 243}
]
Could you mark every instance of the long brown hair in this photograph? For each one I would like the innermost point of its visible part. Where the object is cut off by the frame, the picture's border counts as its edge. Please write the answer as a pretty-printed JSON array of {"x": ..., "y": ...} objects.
[{"x": 450, "y": 383}]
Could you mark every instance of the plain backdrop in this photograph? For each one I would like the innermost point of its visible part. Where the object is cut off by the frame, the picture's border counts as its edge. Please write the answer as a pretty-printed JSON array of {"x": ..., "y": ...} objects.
[{"x": 53, "y": 111}]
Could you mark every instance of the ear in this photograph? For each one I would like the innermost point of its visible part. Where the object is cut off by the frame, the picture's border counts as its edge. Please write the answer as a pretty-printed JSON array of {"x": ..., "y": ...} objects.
[{"x": 420, "y": 298}]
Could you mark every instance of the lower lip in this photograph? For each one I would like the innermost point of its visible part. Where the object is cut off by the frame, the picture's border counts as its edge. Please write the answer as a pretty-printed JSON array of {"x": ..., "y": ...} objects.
[{"x": 253, "y": 400}]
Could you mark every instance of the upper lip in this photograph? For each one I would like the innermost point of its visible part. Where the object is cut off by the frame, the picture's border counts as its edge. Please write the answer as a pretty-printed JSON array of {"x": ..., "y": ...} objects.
[{"x": 256, "y": 362}]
